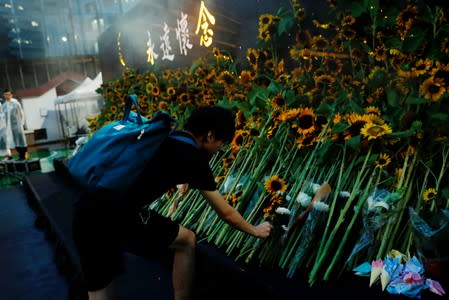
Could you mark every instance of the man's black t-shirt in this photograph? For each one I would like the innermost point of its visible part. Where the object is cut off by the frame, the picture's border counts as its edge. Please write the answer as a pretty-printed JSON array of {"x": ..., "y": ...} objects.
[{"x": 175, "y": 162}]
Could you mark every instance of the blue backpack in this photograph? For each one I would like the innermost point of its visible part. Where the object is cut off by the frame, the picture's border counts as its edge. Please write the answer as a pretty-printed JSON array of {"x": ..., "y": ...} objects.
[{"x": 117, "y": 153}]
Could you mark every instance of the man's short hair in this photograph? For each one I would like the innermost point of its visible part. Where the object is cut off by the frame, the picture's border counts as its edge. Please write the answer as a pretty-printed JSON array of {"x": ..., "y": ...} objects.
[
  {"x": 216, "y": 119},
  {"x": 7, "y": 91}
]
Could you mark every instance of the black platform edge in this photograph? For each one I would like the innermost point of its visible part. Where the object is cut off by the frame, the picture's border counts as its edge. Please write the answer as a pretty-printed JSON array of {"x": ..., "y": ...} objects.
[
  {"x": 217, "y": 277},
  {"x": 65, "y": 259}
]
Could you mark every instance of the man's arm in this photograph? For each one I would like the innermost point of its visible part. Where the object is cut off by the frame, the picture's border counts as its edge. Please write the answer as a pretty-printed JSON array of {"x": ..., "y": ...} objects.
[{"x": 231, "y": 216}]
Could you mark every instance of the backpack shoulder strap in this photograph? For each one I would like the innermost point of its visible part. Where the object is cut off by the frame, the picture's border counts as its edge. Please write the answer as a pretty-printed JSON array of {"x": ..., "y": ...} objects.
[{"x": 182, "y": 138}]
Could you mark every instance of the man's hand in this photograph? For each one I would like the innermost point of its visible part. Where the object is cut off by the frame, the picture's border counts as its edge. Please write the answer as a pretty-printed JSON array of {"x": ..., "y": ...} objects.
[
  {"x": 263, "y": 230},
  {"x": 182, "y": 189}
]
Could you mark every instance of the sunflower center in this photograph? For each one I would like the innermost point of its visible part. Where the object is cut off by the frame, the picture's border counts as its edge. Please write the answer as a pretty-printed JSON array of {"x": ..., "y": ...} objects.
[
  {"x": 434, "y": 89},
  {"x": 276, "y": 186},
  {"x": 376, "y": 130},
  {"x": 305, "y": 122}
]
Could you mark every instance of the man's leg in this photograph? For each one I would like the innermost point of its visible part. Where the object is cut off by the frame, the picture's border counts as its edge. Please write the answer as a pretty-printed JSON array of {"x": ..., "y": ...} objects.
[
  {"x": 22, "y": 152},
  {"x": 108, "y": 293},
  {"x": 183, "y": 263}
]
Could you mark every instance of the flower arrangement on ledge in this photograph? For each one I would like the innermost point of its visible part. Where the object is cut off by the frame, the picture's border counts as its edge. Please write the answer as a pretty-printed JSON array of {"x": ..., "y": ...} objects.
[
  {"x": 341, "y": 132},
  {"x": 399, "y": 274}
]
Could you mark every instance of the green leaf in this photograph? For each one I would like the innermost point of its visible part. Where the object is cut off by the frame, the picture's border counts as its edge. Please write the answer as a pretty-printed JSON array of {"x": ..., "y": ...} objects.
[
  {"x": 414, "y": 100},
  {"x": 286, "y": 24},
  {"x": 357, "y": 9},
  {"x": 393, "y": 43},
  {"x": 401, "y": 134},
  {"x": 445, "y": 193},
  {"x": 258, "y": 96},
  {"x": 325, "y": 109},
  {"x": 282, "y": 11},
  {"x": 392, "y": 97},
  {"x": 340, "y": 127},
  {"x": 195, "y": 66},
  {"x": 414, "y": 40},
  {"x": 354, "y": 143},
  {"x": 290, "y": 96},
  {"x": 440, "y": 116},
  {"x": 274, "y": 87},
  {"x": 444, "y": 28}
]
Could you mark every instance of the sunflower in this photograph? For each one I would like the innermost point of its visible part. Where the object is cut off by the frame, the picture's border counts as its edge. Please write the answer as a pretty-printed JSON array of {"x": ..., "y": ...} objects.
[
  {"x": 171, "y": 91},
  {"x": 155, "y": 91},
  {"x": 429, "y": 194},
  {"x": 348, "y": 33},
  {"x": 163, "y": 106},
  {"x": 264, "y": 36},
  {"x": 383, "y": 161},
  {"x": 226, "y": 78},
  {"x": 306, "y": 141},
  {"x": 355, "y": 119},
  {"x": 246, "y": 76},
  {"x": 421, "y": 67},
  {"x": 380, "y": 53},
  {"x": 300, "y": 13},
  {"x": 166, "y": 74},
  {"x": 149, "y": 88},
  {"x": 406, "y": 18},
  {"x": 278, "y": 102},
  {"x": 216, "y": 52},
  {"x": 319, "y": 42},
  {"x": 347, "y": 21},
  {"x": 334, "y": 66},
  {"x": 275, "y": 185},
  {"x": 373, "y": 131},
  {"x": 444, "y": 47},
  {"x": 265, "y": 20},
  {"x": 239, "y": 140},
  {"x": 269, "y": 64},
  {"x": 306, "y": 120},
  {"x": 303, "y": 38},
  {"x": 373, "y": 110},
  {"x": 184, "y": 98},
  {"x": 433, "y": 88},
  {"x": 324, "y": 82},
  {"x": 252, "y": 55},
  {"x": 376, "y": 119},
  {"x": 442, "y": 72},
  {"x": 289, "y": 114}
]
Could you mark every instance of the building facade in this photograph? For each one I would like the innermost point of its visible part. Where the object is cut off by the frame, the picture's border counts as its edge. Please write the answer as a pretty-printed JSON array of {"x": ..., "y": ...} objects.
[{"x": 44, "y": 38}]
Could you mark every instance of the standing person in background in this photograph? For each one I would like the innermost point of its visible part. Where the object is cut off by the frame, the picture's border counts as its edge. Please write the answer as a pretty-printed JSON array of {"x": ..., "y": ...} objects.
[
  {"x": 15, "y": 120},
  {"x": 3, "y": 148}
]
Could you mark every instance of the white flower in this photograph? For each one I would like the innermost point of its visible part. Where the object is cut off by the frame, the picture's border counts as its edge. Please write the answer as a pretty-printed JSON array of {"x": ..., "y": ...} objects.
[
  {"x": 321, "y": 206},
  {"x": 378, "y": 200},
  {"x": 239, "y": 187},
  {"x": 315, "y": 187},
  {"x": 344, "y": 194},
  {"x": 284, "y": 227},
  {"x": 303, "y": 199},
  {"x": 288, "y": 198},
  {"x": 282, "y": 211}
]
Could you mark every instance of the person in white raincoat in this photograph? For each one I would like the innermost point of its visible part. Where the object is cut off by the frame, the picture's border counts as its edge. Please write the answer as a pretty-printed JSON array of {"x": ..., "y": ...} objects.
[
  {"x": 3, "y": 147},
  {"x": 15, "y": 120}
]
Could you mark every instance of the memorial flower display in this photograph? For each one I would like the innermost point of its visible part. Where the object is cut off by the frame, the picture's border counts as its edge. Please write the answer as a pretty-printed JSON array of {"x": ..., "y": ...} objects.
[{"x": 342, "y": 134}]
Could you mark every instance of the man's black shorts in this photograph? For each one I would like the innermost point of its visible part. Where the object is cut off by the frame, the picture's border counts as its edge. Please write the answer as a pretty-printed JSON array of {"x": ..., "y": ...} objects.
[{"x": 102, "y": 233}]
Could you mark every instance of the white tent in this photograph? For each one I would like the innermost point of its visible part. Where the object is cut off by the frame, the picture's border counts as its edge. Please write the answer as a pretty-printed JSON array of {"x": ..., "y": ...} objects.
[
  {"x": 86, "y": 91},
  {"x": 75, "y": 107}
]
